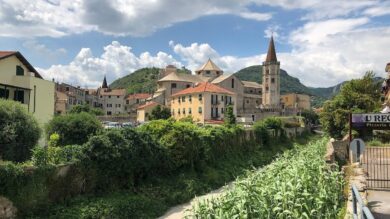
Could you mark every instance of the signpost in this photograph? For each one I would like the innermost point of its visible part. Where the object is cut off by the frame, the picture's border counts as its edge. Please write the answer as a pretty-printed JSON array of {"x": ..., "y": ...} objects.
[{"x": 370, "y": 121}]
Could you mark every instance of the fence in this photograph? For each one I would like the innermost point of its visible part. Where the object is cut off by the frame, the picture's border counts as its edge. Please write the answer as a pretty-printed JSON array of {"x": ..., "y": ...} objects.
[
  {"x": 376, "y": 162},
  {"x": 357, "y": 202}
]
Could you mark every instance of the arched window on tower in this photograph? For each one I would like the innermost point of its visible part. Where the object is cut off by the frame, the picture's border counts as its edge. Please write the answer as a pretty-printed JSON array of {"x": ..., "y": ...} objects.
[{"x": 232, "y": 82}]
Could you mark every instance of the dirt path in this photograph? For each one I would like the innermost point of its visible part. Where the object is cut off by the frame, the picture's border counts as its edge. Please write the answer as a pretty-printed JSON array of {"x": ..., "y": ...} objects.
[{"x": 178, "y": 212}]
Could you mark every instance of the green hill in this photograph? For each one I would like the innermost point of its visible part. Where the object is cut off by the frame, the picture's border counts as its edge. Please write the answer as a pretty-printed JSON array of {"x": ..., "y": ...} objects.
[
  {"x": 145, "y": 81},
  {"x": 289, "y": 84}
]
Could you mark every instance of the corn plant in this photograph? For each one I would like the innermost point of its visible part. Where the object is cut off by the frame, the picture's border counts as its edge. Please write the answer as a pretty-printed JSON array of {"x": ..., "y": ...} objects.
[{"x": 298, "y": 184}]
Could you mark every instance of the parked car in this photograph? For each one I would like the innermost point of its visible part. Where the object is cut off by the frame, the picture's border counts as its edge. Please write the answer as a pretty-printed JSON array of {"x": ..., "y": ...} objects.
[
  {"x": 127, "y": 124},
  {"x": 111, "y": 125}
]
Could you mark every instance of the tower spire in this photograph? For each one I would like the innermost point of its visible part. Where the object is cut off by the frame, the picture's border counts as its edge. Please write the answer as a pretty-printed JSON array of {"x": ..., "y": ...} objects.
[
  {"x": 104, "y": 85},
  {"x": 271, "y": 54}
]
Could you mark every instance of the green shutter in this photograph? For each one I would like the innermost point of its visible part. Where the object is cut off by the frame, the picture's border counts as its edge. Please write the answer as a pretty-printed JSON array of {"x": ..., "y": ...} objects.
[{"x": 19, "y": 70}]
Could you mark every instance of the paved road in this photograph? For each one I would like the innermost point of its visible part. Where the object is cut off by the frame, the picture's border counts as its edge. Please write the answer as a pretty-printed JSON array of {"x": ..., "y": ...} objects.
[{"x": 379, "y": 203}]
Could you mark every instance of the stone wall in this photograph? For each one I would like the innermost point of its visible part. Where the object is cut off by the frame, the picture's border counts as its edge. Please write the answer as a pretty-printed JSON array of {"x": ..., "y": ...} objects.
[{"x": 336, "y": 150}]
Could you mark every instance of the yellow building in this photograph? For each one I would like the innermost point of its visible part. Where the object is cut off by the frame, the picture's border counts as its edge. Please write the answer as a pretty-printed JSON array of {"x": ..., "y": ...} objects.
[
  {"x": 19, "y": 81},
  {"x": 205, "y": 103},
  {"x": 296, "y": 101},
  {"x": 144, "y": 110}
]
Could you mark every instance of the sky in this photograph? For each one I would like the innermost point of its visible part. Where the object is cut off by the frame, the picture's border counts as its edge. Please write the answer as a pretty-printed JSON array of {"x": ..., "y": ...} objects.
[{"x": 79, "y": 42}]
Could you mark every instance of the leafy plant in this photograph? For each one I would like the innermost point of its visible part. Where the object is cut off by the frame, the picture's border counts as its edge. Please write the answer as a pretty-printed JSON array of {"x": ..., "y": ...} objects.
[
  {"x": 73, "y": 128},
  {"x": 19, "y": 131}
]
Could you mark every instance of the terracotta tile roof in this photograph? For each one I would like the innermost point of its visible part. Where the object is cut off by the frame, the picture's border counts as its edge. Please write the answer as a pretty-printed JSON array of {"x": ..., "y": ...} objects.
[
  {"x": 271, "y": 54},
  {"x": 113, "y": 92},
  {"x": 6, "y": 54},
  {"x": 148, "y": 104},
  {"x": 209, "y": 66},
  {"x": 138, "y": 96},
  {"x": 204, "y": 87}
]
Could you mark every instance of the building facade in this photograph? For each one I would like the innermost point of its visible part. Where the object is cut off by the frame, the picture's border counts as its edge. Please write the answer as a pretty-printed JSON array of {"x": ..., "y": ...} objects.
[
  {"x": 296, "y": 101},
  {"x": 19, "y": 81},
  {"x": 206, "y": 102}
]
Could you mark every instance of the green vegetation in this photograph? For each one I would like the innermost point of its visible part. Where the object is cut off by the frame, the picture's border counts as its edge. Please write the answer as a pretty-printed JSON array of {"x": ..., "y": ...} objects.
[
  {"x": 298, "y": 184},
  {"x": 356, "y": 96},
  {"x": 131, "y": 173},
  {"x": 73, "y": 128},
  {"x": 159, "y": 112},
  {"x": 230, "y": 118},
  {"x": 86, "y": 108},
  {"x": 19, "y": 131},
  {"x": 143, "y": 80}
]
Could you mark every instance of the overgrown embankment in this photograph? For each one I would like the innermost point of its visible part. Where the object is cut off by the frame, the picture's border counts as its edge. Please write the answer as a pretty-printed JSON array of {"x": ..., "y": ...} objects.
[
  {"x": 135, "y": 173},
  {"x": 299, "y": 184}
]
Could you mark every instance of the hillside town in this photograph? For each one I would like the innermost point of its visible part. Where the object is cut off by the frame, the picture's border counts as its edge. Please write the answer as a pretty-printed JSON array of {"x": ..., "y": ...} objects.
[
  {"x": 194, "y": 110},
  {"x": 208, "y": 92}
]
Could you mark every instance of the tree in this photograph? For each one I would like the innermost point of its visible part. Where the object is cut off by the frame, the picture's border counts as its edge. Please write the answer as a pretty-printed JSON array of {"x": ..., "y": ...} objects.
[
  {"x": 73, "y": 128},
  {"x": 159, "y": 112},
  {"x": 19, "y": 131},
  {"x": 86, "y": 108},
  {"x": 310, "y": 116},
  {"x": 229, "y": 118},
  {"x": 356, "y": 96}
]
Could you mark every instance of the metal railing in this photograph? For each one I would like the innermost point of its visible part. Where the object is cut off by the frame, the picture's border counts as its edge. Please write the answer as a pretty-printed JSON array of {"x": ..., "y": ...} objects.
[{"x": 357, "y": 201}]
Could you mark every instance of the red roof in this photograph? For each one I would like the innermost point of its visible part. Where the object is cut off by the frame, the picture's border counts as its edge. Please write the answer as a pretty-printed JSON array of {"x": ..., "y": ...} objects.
[
  {"x": 138, "y": 96},
  {"x": 204, "y": 87},
  {"x": 148, "y": 104},
  {"x": 6, "y": 54}
]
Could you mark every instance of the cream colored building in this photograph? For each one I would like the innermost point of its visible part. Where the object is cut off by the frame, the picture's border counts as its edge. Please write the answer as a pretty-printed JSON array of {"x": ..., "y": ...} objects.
[
  {"x": 296, "y": 101},
  {"x": 145, "y": 110},
  {"x": 205, "y": 103},
  {"x": 112, "y": 101},
  {"x": 19, "y": 81}
]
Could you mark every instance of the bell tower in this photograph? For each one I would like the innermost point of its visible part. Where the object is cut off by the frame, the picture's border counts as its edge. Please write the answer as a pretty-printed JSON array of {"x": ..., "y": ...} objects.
[{"x": 271, "y": 78}]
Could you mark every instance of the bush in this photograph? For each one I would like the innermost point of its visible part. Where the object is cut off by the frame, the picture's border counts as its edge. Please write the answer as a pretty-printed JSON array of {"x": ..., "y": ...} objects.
[
  {"x": 43, "y": 156},
  {"x": 261, "y": 133},
  {"x": 73, "y": 128},
  {"x": 19, "y": 131}
]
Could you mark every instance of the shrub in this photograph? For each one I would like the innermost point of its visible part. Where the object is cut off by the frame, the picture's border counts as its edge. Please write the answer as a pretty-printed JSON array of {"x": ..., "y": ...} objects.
[
  {"x": 73, "y": 128},
  {"x": 188, "y": 119},
  {"x": 159, "y": 112},
  {"x": 230, "y": 118},
  {"x": 261, "y": 133},
  {"x": 19, "y": 131},
  {"x": 43, "y": 156}
]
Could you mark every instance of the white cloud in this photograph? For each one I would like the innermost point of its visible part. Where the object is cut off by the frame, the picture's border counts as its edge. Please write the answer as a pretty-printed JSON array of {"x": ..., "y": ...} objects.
[
  {"x": 43, "y": 51},
  {"x": 116, "y": 61}
]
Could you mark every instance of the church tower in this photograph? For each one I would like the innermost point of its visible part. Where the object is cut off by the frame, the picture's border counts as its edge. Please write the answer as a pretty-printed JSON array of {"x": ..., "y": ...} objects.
[
  {"x": 271, "y": 78},
  {"x": 104, "y": 85}
]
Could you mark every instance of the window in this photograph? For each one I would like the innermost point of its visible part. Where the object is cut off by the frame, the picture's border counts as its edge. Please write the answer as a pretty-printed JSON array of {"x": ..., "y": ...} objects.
[
  {"x": 222, "y": 98},
  {"x": 267, "y": 89},
  {"x": 200, "y": 97},
  {"x": 178, "y": 111},
  {"x": 101, "y": 96},
  {"x": 109, "y": 105},
  {"x": 184, "y": 111},
  {"x": 232, "y": 82},
  {"x": 247, "y": 101},
  {"x": 272, "y": 80},
  {"x": 200, "y": 110},
  {"x": 183, "y": 98},
  {"x": 4, "y": 93},
  {"x": 137, "y": 101},
  {"x": 251, "y": 91},
  {"x": 19, "y": 96},
  {"x": 221, "y": 110},
  {"x": 188, "y": 85},
  {"x": 109, "y": 96},
  {"x": 267, "y": 72},
  {"x": 230, "y": 100},
  {"x": 117, "y": 96},
  {"x": 189, "y": 111},
  {"x": 66, "y": 88},
  {"x": 173, "y": 85},
  {"x": 208, "y": 72},
  {"x": 118, "y": 105},
  {"x": 127, "y": 101},
  {"x": 109, "y": 113},
  {"x": 190, "y": 98},
  {"x": 19, "y": 70}
]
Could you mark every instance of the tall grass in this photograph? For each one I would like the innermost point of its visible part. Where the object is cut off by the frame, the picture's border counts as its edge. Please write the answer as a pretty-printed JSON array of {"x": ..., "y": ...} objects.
[{"x": 299, "y": 184}]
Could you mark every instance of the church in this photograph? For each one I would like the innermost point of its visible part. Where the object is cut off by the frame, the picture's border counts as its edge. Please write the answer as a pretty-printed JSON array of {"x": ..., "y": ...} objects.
[{"x": 206, "y": 94}]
